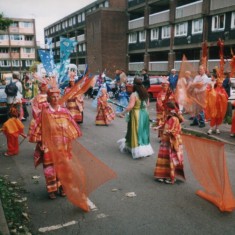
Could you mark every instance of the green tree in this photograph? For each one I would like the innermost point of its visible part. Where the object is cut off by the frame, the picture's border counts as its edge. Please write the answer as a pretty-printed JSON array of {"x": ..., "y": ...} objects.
[{"x": 4, "y": 22}]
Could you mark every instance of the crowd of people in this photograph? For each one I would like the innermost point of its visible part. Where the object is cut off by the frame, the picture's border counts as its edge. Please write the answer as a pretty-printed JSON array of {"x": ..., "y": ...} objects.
[{"x": 54, "y": 126}]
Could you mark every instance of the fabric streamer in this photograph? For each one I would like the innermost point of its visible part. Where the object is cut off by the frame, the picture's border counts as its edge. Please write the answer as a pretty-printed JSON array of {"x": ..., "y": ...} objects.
[{"x": 208, "y": 163}]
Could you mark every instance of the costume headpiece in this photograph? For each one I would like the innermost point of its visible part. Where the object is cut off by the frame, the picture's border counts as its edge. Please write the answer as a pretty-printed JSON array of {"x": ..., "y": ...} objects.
[{"x": 13, "y": 112}]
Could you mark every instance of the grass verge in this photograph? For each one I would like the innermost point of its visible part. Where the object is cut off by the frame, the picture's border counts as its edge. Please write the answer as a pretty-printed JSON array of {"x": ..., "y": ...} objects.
[{"x": 14, "y": 202}]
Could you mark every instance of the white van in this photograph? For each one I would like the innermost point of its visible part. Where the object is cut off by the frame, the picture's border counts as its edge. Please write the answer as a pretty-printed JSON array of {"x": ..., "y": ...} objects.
[{"x": 232, "y": 90}]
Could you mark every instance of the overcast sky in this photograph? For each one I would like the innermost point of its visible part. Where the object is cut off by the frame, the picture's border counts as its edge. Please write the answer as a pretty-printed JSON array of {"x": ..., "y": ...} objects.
[{"x": 45, "y": 12}]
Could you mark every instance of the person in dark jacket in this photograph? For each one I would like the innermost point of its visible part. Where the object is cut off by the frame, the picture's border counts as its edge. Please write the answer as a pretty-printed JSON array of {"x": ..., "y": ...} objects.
[
  {"x": 227, "y": 83},
  {"x": 146, "y": 81}
]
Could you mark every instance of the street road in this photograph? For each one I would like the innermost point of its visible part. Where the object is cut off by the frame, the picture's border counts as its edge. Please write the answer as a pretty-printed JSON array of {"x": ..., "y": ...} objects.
[{"x": 155, "y": 208}]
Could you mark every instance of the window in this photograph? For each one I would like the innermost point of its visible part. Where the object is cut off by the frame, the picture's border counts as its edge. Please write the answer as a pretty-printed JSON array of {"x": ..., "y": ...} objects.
[
  {"x": 142, "y": 36},
  {"x": 197, "y": 26},
  {"x": 79, "y": 18},
  {"x": 3, "y": 37},
  {"x": 166, "y": 32},
  {"x": 154, "y": 34},
  {"x": 233, "y": 20},
  {"x": 181, "y": 29},
  {"x": 84, "y": 47},
  {"x": 106, "y": 4},
  {"x": 80, "y": 48},
  {"x": 5, "y": 63},
  {"x": 28, "y": 50},
  {"x": 28, "y": 38},
  {"x": 28, "y": 63},
  {"x": 16, "y": 37},
  {"x": 70, "y": 22},
  {"x": 4, "y": 50},
  {"x": 26, "y": 24},
  {"x": 15, "y": 63},
  {"x": 83, "y": 16},
  {"x": 218, "y": 22},
  {"x": 15, "y": 50},
  {"x": 15, "y": 24},
  {"x": 132, "y": 38}
]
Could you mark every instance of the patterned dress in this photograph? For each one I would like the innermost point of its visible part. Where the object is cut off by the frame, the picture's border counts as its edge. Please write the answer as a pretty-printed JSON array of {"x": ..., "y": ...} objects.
[
  {"x": 57, "y": 131},
  {"x": 76, "y": 106},
  {"x": 170, "y": 156},
  {"x": 105, "y": 113},
  {"x": 137, "y": 140}
]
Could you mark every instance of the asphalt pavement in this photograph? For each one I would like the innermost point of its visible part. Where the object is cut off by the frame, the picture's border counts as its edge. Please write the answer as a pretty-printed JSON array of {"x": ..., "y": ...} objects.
[{"x": 224, "y": 136}]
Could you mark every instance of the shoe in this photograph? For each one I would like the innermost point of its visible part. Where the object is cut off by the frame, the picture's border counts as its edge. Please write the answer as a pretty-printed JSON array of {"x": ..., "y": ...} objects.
[
  {"x": 201, "y": 125},
  {"x": 169, "y": 181},
  {"x": 52, "y": 196},
  {"x": 209, "y": 132},
  {"x": 217, "y": 131},
  {"x": 193, "y": 124},
  {"x": 232, "y": 135},
  {"x": 160, "y": 180},
  {"x": 61, "y": 191},
  {"x": 191, "y": 118}
]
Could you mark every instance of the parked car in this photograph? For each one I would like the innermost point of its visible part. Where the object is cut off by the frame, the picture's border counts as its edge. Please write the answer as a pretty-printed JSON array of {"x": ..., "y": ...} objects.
[
  {"x": 3, "y": 103},
  {"x": 232, "y": 90},
  {"x": 153, "y": 90}
]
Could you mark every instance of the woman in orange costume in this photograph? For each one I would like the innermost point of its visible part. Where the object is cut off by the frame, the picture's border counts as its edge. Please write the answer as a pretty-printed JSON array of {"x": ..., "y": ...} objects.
[
  {"x": 12, "y": 128},
  {"x": 75, "y": 104},
  {"x": 218, "y": 108},
  {"x": 105, "y": 113}
]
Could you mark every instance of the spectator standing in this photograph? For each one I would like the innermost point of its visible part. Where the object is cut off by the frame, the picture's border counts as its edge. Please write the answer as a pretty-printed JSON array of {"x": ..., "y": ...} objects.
[
  {"x": 227, "y": 83},
  {"x": 197, "y": 89},
  {"x": 146, "y": 81},
  {"x": 173, "y": 79},
  {"x": 16, "y": 101}
]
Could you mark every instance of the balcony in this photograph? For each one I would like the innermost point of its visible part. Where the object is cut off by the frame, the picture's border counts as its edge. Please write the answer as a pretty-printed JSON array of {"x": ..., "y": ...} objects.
[
  {"x": 191, "y": 10},
  {"x": 13, "y": 30},
  {"x": 22, "y": 43},
  {"x": 159, "y": 17},
  {"x": 81, "y": 38},
  {"x": 218, "y": 4},
  {"x": 4, "y": 56},
  {"x": 133, "y": 3},
  {"x": 136, "y": 66},
  {"x": 26, "y": 30},
  {"x": 160, "y": 66},
  {"x": 15, "y": 55},
  {"x": 28, "y": 56},
  {"x": 137, "y": 23}
]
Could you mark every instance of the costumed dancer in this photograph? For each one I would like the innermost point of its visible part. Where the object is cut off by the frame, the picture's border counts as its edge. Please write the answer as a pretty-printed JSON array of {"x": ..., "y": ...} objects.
[
  {"x": 64, "y": 123},
  {"x": 137, "y": 139},
  {"x": 123, "y": 99},
  {"x": 216, "y": 106},
  {"x": 170, "y": 156},
  {"x": 12, "y": 128},
  {"x": 75, "y": 104},
  {"x": 105, "y": 113},
  {"x": 163, "y": 96}
]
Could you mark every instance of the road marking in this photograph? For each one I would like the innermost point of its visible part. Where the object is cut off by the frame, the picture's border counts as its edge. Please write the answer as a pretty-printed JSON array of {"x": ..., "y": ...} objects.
[
  {"x": 55, "y": 227},
  {"x": 91, "y": 205}
]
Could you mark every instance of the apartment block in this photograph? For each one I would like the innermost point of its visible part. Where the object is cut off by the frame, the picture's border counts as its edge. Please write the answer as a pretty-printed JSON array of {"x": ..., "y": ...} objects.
[
  {"x": 152, "y": 34},
  {"x": 18, "y": 47}
]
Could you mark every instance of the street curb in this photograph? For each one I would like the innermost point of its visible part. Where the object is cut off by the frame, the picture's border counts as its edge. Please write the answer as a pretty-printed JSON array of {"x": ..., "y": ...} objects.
[
  {"x": 4, "y": 230},
  {"x": 213, "y": 136}
]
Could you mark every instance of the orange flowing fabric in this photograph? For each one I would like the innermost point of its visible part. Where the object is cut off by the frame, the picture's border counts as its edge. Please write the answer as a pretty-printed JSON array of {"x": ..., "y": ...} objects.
[
  {"x": 79, "y": 88},
  {"x": 211, "y": 109},
  {"x": 208, "y": 163},
  {"x": 78, "y": 170},
  {"x": 13, "y": 125}
]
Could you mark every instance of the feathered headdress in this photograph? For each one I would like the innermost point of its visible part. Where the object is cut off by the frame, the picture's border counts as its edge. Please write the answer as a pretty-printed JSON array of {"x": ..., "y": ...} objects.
[{"x": 220, "y": 70}]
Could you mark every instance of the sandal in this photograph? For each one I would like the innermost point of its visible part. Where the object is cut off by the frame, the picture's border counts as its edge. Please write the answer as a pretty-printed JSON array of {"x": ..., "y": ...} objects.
[
  {"x": 61, "y": 191},
  {"x": 52, "y": 196}
]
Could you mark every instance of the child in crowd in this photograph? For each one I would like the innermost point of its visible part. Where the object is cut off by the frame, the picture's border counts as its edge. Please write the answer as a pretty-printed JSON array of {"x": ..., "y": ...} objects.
[{"x": 12, "y": 128}]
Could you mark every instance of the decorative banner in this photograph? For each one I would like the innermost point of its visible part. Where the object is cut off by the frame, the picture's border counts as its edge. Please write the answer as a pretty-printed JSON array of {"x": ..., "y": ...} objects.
[
  {"x": 49, "y": 45},
  {"x": 66, "y": 47},
  {"x": 46, "y": 60}
]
